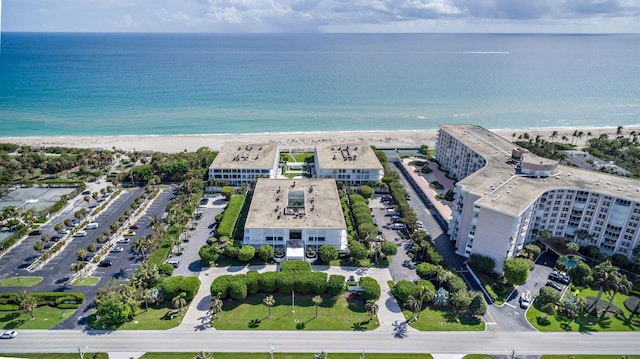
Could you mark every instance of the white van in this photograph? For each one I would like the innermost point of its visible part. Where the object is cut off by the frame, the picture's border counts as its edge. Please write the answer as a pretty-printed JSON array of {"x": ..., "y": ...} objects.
[{"x": 92, "y": 225}]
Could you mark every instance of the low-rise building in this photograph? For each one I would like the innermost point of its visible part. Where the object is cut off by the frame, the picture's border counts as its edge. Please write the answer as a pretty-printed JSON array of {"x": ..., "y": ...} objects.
[
  {"x": 353, "y": 163},
  {"x": 292, "y": 215},
  {"x": 243, "y": 163}
]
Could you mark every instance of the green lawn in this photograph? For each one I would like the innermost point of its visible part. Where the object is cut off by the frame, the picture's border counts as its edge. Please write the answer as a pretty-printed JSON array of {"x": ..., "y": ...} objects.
[
  {"x": 295, "y": 157},
  {"x": 335, "y": 313},
  {"x": 156, "y": 318},
  {"x": 56, "y": 355},
  {"x": 432, "y": 319},
  {"x": 586, "y": 322},
  {"x": 277, "y": 355},
  {"x": 45, "y": 318},
  {"x": 20, "y": 281},
  {"x": 86, "y": 282}
]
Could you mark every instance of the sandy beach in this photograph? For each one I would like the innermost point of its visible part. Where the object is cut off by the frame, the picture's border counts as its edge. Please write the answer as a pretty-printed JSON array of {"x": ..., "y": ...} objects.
[{"x": 306, "y": 140}]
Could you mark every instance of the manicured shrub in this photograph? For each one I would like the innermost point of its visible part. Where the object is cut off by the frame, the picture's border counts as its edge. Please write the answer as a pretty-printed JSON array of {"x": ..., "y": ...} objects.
[
  {"x": 389, "y": 248},
  {"x": 426, "y": 270},
  {"x": 230, "y": 216},
  {"x": 357, "y": 250},
  {"x": 231, "y": 251},
  {"x": 516, "y": 270},
  {"x": 328, "y": 254},
  {"x": 173, "y": 286},
  {"x": 303, "y": 282},
  {"x": 208, "y": 255},
  {"x": 165, "y": 269},
  {"x": 403, "y": 289},
  {"x": 251, "y": 278},
  {"x": 220, "y": 286},
  {"x": 318, "y": 282},
  {"x": 266, "y": 252},
  {"x": 335, "y": 285},
  {"x": 286, "y": 281},
  {"x": 370, "y": 288},
  {"x": 238, "y": 287},
  {"x": 246, "y": 253},
  {"x": 295, "y": 266},
  {"x": 268, "y": 282},
  {"x": 548, "y": 295}
]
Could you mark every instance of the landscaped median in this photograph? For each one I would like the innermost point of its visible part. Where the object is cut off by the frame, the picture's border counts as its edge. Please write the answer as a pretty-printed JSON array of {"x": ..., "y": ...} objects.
[{"x": 41, "y": 310}]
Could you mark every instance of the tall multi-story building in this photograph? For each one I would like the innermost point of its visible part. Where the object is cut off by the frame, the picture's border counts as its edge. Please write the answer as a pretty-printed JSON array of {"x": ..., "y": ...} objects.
[
  {"x": 293, "y": 215},
  {"x": 505, "y": 196},
  {"x": 240, "y": 163},
  {"x": 352, "y": 163}
]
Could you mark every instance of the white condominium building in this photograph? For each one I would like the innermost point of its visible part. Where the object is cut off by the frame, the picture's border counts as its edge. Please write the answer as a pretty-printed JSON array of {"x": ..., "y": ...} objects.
[
  {"x": 240, "y": 163},
  {"x": 350, "y": 163},
  {"x": 505, "y": 195},
  {"x": 295, "y": 215}
]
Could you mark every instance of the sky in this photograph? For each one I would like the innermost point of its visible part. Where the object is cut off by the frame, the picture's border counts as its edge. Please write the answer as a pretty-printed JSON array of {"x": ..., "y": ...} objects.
[{"x": 233, "y": 16}]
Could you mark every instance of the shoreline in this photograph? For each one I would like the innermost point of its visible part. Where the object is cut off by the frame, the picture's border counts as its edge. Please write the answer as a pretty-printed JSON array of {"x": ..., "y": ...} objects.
[{"x": 292, "y": 140}]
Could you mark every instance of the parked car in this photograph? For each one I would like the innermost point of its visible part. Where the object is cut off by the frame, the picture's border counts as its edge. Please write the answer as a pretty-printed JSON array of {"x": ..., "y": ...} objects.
[
  {"x": 8, "y": 334},
  {"x": 36, "y": 232},
  {"x": 88, "y": 257},
  {"x": 525, "y": 300},
  {"x": 560, "y": 277},
  {"x": 174, "y": 262},
  {"x": 117, "y": 250},
  {"x": 75, "y": 222},
  {"x": 105, "y": 263},
  {"x": 64, "y": 231},
  {"x": 92, "y": 225},
  {"x": 55, "y": 238},
  {"x": 80, "y": 234},
  {"x": 554, "y": 285},
  {"x": 134, "y": 226},
  {"x": 124, "y": 240},
  {"x": 129, "y": 233},
  {"x": 351, "y": 279},
  {"x": 84, "y": 193}
]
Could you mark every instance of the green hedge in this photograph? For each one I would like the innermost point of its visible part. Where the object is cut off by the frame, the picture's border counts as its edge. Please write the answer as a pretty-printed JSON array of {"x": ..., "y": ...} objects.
[
  {"x": 9, "y": 307},
  {"x": 173, "y": 286},
  {"x": 230, "y": 217},
  {"x": 52, "y": 299},
  {"x": 295, "y": 266},
  {"x": 370, "y": 288}
]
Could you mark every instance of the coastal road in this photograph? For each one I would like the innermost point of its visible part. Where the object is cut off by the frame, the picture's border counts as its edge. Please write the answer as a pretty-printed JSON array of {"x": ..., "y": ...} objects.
[{"x": 380, "y": 341}]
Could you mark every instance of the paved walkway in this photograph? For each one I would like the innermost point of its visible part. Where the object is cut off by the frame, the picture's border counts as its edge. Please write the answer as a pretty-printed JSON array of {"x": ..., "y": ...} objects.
[
  {"x": 389, "y": 313},
  {"x": 443, "y": 207}
]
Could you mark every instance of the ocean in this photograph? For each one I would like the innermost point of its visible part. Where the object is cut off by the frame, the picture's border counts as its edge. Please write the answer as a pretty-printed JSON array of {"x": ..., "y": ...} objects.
[{"x": 55, "y": 84}]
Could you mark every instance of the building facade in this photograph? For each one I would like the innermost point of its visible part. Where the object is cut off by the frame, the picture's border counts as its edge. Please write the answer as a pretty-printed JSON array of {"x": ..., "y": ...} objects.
[
  {"x": 293, "y": 215},
  {"x": 243, "y": 163},
  {"x": 353, "y": 164},
  {"x": 505, "y": 196}
]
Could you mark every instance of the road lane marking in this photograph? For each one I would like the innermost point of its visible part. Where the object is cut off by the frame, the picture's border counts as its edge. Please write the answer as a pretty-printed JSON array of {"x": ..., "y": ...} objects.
[{"x": 511, "y": 305}]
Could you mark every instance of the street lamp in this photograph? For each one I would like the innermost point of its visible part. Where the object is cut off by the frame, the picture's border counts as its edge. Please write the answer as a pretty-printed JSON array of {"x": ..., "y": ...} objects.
[
  {"x": 18, "y": 276},
  {"x": 81, "y": 353},
  {"x": 271, "y": 350},
  {"x": 293, "y": 301}
]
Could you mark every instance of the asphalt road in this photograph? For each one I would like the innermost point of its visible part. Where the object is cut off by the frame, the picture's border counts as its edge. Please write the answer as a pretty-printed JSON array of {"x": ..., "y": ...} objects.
[{"x": 381, "y": 341}]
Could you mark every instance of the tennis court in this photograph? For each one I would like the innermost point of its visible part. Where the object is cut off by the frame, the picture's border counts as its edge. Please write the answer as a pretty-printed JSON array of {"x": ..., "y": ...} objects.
[{"x": 38, "y": 197}]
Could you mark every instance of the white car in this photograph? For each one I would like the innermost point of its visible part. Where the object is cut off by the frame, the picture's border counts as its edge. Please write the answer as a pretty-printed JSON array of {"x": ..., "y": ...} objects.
[
  {"x": 525, "y": 300},
  {"x": 80, "y": 234},
  {"x": 65, "y": 231},
  {"x": 124, "y": 240},
  {"x": 117, "y": 250},
  {"x": 8, "y": 334}
]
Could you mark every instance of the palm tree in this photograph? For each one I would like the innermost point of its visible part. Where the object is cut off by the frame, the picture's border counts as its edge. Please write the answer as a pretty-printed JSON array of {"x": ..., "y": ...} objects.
[
  {"x": 157, "y": 226},
  {"x": 605, "y": 276},
  {"x": 415, "y": 306},
  {"x": 27, "y": 302},
  {"x": 619, "y": 130},
  {"x": 623, "y": 285},
  {"x": 140, "y": 246},
  {"x": 179, "y": 301},
  {"x": 269, "y": 302},
  {"x": 216, "y": 305},
  {"x": 553, "y": 136},
  {"x": 317, "y": 300},
  {"x": 203, "y": 355},
  {"x": 424, "y": 294},
  {"x": 372, "y": 308}
]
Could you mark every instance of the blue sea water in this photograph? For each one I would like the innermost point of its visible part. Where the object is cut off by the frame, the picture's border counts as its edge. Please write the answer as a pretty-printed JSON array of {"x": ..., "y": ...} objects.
[{"x": 122, "y": 84}]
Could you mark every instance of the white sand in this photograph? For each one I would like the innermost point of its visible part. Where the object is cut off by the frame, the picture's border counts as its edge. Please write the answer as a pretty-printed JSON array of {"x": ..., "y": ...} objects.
[{"x": 306, "y": 140}]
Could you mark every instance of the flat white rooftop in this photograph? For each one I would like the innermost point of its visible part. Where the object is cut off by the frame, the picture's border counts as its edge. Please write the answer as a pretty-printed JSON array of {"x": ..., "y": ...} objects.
[
  {"x": 235, "y": 155},
  {"x": 295, "y": 204},
  {"x": 347, "y": 156},
  {"x": 502, "y": 189}
]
